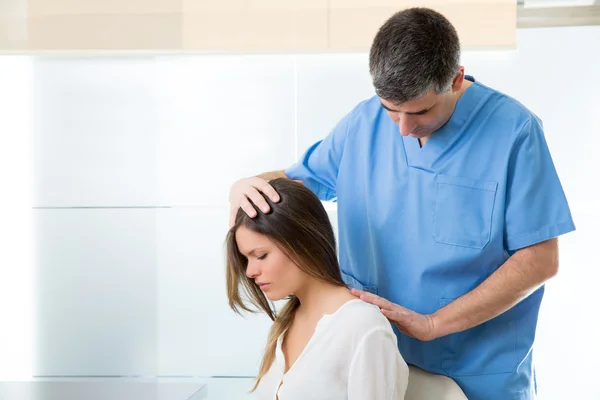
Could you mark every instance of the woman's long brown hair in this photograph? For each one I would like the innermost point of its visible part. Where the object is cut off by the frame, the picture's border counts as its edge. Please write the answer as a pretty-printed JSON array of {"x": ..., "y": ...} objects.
[{"x": 299, "y": 225}]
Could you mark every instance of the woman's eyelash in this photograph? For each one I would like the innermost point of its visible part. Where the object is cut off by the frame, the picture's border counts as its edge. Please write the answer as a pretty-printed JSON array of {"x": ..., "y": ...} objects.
[{"x": 261, "y": 257}]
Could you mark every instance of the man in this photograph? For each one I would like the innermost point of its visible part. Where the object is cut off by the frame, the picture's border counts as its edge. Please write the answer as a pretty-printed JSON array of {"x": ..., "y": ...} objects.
[{"x": 449, "y": 208}]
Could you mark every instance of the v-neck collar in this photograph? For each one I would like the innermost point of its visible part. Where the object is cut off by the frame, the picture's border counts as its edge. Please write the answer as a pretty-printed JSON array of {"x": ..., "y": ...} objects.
[
  {"x": 280, "y": 357},
  {"x": 424, "y": 157},
  {"x": 322, "y": 323}
]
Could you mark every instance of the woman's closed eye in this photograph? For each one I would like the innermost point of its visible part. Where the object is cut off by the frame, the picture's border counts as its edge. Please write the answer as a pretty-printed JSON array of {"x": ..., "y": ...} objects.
[{"x": 262, "y": 257}]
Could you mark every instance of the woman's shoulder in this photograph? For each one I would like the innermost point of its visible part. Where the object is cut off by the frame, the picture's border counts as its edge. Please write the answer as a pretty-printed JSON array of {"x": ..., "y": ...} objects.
[{"x": 360, "y": 317}]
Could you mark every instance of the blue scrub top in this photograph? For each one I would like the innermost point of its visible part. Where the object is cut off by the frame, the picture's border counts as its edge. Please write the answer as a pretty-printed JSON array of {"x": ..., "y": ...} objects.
[{"x": 421, "y": 226}]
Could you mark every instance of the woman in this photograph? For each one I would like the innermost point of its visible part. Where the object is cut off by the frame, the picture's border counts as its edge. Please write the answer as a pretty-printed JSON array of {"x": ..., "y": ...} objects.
[{"x": 324, "y": 343}]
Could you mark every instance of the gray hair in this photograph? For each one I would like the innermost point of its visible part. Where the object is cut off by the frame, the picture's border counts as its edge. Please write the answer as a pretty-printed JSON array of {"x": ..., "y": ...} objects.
[{"x": 415, "y": 51}]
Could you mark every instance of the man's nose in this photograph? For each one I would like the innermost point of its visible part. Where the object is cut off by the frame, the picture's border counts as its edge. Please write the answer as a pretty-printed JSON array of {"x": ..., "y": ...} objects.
[{"x": 406, "y": 125}]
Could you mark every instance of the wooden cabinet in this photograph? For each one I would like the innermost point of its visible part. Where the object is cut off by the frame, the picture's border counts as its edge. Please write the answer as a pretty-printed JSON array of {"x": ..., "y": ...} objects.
[{"x": 233, "y": 25}]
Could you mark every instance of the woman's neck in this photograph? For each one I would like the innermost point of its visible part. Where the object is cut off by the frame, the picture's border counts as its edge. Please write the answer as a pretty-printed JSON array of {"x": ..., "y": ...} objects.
[{"x": 320, "y": 298}]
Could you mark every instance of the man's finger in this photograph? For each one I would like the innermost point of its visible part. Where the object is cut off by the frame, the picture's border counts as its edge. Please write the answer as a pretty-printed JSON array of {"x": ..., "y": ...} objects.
[
  {"x": 268, "y": 190},
  {"x": 232, "y": 215},
  {"x": 258, "y": 200},
  {"x": 376, "y": 300},
  {"x": 398, "y": 317},
  {"x": 248, "y": 208}
]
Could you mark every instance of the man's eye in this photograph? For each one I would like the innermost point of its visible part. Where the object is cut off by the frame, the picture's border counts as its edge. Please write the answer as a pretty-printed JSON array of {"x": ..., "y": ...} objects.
[{"x": 262, "y": 257}]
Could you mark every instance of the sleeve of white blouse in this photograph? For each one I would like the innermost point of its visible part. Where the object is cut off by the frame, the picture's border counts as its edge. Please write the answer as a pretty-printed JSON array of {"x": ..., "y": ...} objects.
[{"x": 377, "y": 370}]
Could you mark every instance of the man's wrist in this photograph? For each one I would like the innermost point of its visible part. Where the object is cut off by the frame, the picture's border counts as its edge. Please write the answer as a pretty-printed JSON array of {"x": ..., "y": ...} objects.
[{"x": 441, "y": 324}]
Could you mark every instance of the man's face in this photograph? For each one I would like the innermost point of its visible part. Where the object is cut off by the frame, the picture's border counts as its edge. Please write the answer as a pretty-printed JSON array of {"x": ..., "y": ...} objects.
[{"x": 421, "y": 117}]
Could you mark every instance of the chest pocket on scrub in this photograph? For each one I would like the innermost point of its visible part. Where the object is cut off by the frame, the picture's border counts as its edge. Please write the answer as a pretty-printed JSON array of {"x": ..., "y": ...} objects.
[{"x": 463, "y": 211}]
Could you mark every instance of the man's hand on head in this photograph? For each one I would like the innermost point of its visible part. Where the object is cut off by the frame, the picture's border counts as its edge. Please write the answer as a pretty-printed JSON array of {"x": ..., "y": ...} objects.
[{"x": 250, "y": 189}]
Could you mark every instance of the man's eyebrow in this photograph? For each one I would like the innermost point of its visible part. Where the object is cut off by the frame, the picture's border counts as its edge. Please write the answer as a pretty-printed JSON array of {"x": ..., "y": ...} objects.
[{"x": 423, "y": 111}]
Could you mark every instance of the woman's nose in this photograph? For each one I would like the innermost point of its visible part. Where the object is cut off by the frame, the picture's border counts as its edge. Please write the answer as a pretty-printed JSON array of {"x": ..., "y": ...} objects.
[{"x": 252, "y": 271}]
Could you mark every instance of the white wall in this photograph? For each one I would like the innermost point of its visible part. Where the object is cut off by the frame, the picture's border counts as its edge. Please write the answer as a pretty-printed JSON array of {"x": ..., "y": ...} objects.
[
  {"x": 133, "y": 159},
  {"x": 16, "y": 223}
]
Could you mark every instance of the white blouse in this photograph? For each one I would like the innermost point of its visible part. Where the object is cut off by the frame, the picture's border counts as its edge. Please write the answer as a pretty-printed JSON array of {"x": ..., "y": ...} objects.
[{"x": 353, "y": 354}]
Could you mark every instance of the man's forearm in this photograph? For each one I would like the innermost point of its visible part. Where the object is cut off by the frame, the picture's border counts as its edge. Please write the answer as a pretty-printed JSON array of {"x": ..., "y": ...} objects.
[
  {"x": 516, "y": 279},
  {"x": 272, "y": 175}
]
